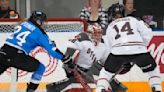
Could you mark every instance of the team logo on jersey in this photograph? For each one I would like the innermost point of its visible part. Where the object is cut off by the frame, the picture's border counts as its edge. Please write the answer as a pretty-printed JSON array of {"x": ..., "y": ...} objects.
[{"x": 156, "y": 49}]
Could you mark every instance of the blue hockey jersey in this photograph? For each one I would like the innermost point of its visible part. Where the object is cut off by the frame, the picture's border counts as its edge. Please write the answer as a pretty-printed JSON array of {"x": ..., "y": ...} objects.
[{"x": 28, "y": 36}]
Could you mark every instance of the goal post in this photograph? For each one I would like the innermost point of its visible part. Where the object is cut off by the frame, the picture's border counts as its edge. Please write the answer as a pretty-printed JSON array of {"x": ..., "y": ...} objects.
[{"x": 58, "y": 29}]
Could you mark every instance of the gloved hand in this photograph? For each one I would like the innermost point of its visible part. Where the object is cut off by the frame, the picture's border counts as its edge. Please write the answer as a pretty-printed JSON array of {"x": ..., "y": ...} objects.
[
  {"x": 69, "y": 72},
  {"x": 67, "y": 60}
]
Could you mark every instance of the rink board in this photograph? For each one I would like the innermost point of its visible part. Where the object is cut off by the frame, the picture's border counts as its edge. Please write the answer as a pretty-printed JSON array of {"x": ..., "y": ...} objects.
[
  {"x": 132, "y": 87},
  {"x": 135, "y": 79}
]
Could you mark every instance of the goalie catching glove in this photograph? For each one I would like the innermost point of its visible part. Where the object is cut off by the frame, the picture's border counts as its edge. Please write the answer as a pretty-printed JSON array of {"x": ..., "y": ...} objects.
[{"x": 67, "y": 60}]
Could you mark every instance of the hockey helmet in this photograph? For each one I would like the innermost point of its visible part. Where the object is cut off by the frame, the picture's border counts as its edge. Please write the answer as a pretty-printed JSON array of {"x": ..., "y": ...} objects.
[
  {"x": 38, "y": 16},
  {"x": 96, "y": 32},
  {"x": 116, "y": 10}
]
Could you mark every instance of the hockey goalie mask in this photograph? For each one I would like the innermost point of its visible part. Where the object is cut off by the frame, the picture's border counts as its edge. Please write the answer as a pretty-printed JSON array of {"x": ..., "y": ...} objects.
[{"x": 95, "y": 31}]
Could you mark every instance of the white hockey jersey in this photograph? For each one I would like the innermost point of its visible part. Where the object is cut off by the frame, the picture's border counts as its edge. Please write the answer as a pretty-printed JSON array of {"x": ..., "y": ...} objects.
[
  {"x": 128, "y": 36},
  {"x": 89, "y": 52}
]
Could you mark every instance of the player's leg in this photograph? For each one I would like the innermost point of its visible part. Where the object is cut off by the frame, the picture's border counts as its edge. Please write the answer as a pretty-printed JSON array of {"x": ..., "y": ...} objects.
[
  {"x": 36, "y": 78},
  {"x": 148, "y": 65},
  {"x": 2, "y": 68},
  {"x": 3, "y": 65},
  {"x": 115, "y": 84},
  {"x": 112, "y": 65},
  {"x": 103, "y": 80},
  {"x": 19, "y": 59},
  {"x": 30, "y": 64}
]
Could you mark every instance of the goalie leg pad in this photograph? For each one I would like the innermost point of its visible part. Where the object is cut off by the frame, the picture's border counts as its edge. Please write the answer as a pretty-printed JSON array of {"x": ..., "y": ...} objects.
[
  {"x": 103, "y": 81},
  {"x": 60, "y": 85}
]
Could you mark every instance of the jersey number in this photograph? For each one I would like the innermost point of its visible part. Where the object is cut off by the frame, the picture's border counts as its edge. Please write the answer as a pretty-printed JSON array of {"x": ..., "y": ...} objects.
[
  {"x": 22, "y": 37},
  {"x": 125, "y": 28}
]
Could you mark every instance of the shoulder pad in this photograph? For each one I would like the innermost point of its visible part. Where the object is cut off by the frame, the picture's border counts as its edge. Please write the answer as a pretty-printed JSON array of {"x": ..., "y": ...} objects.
[
  {"x": 80, "y": 37},
  {"x": 83, "y": 37}
]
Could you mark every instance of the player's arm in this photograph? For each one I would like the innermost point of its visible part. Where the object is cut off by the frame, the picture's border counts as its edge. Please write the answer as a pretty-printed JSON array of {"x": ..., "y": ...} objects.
[
  {"x": 75, "y": 45},
  {"x": 50, "y": 46},
  {"x": 74, "y": 53},
  {"x": 145, "y": 31}
]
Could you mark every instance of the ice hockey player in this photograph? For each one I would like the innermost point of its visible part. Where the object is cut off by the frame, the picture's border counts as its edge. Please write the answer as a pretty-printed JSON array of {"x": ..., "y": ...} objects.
[
  {"x": 28, "y": 35},
  {"x": 128, "y": 39}
]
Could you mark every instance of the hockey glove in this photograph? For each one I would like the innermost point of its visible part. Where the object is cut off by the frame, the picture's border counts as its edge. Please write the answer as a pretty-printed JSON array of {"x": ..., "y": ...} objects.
[{"x": 67, "y": 60}]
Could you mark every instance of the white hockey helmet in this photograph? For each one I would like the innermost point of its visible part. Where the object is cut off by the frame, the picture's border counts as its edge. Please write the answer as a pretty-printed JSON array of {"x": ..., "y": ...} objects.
[{"x": 96, "y": 32}]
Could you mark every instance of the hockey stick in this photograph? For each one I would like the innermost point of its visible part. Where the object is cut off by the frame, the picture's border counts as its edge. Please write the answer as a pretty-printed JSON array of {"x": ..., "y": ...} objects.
[
  {"x": 122, "y": 67},
  {"x": 86, "y": 75},
  {"x": 82, "y": 81},
  {"x": 94, "y": 81},
  {"x": 77, "y": 74}
]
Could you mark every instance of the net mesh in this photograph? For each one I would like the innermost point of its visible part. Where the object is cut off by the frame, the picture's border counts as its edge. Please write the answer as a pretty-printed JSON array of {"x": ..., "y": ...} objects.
[
  {"x": 65, "y": 27},
  {"x": 51, "y": 26},
  {"x": 7, "y": 27}
]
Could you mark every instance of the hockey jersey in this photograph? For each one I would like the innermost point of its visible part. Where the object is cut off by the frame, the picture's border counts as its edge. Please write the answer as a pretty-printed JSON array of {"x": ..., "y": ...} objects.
[
  {"x": 128, "y": 36},
  {"x": 28, "y": 36}
]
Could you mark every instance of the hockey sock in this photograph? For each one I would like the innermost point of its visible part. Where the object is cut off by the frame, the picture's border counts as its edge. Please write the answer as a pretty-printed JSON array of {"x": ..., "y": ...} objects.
[
  {"x": 37, "y": 75},
  {"x": 103, "y": 80},
  {"x": 155, "y": 80}
]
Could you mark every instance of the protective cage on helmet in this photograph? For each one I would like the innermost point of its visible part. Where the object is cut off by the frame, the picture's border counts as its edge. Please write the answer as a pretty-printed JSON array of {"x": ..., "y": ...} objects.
[{"x": 96, "y": 32}]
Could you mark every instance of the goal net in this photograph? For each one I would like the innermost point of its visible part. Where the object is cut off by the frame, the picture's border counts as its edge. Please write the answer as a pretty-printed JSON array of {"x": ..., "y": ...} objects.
[{"x": 59, "y": 30}]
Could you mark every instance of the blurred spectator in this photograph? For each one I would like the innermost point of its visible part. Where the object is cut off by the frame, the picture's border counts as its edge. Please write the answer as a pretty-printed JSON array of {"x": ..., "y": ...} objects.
[
  {"x": 94, "y": 12},
  {"x": 6, "y": 11},
  {"x": 129, "y": 8},
  {"x": 130, "y": 11},
  {"x": 149, "y": 20}
]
